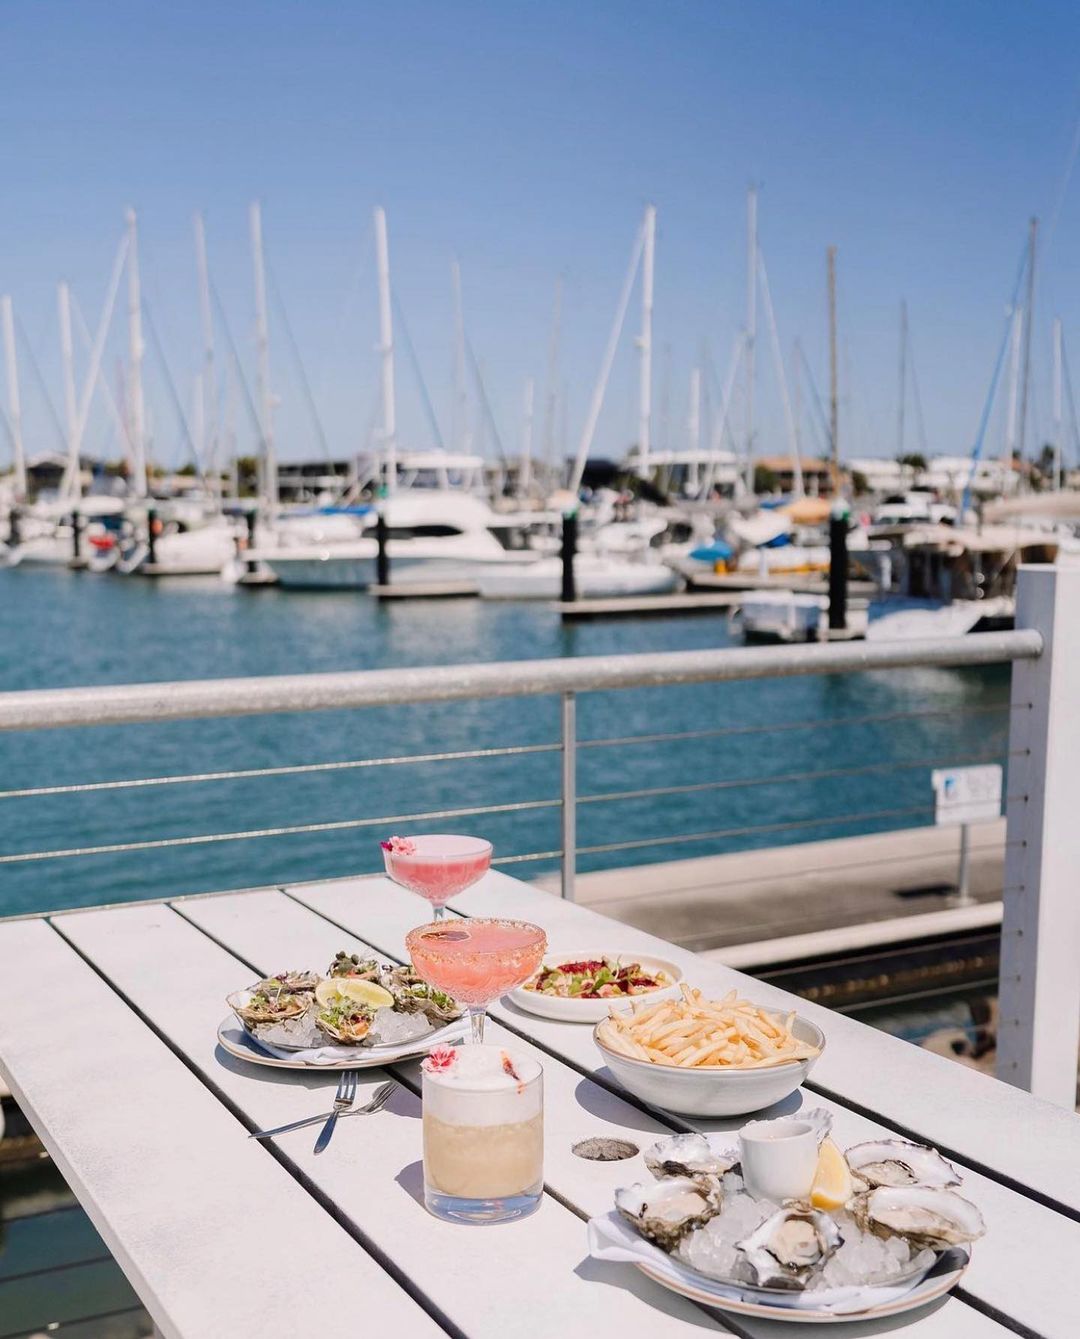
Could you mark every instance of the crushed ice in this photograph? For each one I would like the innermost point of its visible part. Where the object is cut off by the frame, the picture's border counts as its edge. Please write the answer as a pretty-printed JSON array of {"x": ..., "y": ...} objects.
[{"x": 862, "y": 1258}]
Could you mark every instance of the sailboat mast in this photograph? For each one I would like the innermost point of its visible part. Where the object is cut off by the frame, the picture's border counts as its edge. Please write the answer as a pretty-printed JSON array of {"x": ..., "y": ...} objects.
[
  {"x": 525, "y": 471},
  {"x": 135, "y": 359},
  {"x": 386, "y": 348},
  {"x": 553, "y": 385},
  {"x": 209, "y": 394},
  {"x": 694, "y": 426},
  {"x": 645, "y": 343},
  {"x": 1028, "y": 322},
  {"x": 903, "y": 382},
  {"x": 1014, "y": 384},
  {"x": 751, "y": 327},
  {"x": 1057, "y": 403},
  {"x": 14, "y": 403},
  {"x": 834, "y": 404},
  {"x": 262, "y": 344},
  {"x": 72, "y": 483},
  {"x": 459, "y": 432}
]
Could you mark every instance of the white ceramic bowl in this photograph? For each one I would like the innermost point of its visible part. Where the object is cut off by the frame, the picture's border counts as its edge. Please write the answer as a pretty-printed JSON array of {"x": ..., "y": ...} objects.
[
  {"x": 713, "y": 1092},
  {"x": 592, "y": 1011}
]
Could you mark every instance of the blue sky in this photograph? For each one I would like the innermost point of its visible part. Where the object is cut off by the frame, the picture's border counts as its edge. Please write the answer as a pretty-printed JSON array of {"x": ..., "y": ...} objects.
[{"x": 917, "y": 138}]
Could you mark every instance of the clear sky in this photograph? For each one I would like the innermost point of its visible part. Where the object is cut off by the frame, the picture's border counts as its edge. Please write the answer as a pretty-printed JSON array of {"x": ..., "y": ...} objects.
[{"x": 525, "y": 137}]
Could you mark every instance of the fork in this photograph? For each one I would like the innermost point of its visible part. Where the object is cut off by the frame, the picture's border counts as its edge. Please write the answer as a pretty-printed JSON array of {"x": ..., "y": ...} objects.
[
  {"x": 346, "y": 1095},
  {"x": 378, "y": 1100}
]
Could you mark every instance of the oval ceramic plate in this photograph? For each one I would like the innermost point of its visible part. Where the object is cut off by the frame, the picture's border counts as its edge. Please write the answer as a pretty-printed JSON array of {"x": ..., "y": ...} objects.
[
  {"x": 235, "y": 1039},
  {"x": 941, "y": 1278},
  {"x": 592, "y": 1011}
]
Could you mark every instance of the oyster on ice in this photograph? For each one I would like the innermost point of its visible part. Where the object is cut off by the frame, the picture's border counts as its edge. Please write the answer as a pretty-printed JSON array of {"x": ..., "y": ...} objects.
[
  {"x": 267, "y": 1002},
  {"x": 925, "y": 1215},
  {"x": 665, "y": 1211},
  {"x": 789, "y": 1246},
  {"x": 895, "y": 1162},
  {"x": 293, "y": 982},
  {"x": 345, "y": 1021},
  {"x": 691, "y": 1155}
]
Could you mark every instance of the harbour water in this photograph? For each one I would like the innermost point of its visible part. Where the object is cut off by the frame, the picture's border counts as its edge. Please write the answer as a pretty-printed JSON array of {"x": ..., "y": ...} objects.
[{"x": 59, "y": 628}]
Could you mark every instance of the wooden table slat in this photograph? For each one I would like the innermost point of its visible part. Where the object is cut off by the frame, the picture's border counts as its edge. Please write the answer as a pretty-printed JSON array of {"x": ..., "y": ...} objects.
[{"x": 162, "y": 1168}]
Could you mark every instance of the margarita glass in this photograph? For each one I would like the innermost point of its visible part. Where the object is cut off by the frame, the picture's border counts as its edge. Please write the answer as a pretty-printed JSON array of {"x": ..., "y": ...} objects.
[
  {"x": 476, "y": 961},
  {"x": 438, "y": 866}
]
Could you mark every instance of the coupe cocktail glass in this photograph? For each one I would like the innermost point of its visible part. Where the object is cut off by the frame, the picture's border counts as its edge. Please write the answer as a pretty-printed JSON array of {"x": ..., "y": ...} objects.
[
  {"x": 476, "y": 961},
  {"x": 438, "y": 865},
  {"x": 483, "y": 1133}
]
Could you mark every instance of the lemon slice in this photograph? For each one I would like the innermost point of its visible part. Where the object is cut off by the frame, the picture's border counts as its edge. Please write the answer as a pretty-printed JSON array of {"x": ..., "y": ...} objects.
[
  {"x": 364, "y": 992},
  {"x": 326, "y": 992},
  {"x": 832, "y": 1180}
]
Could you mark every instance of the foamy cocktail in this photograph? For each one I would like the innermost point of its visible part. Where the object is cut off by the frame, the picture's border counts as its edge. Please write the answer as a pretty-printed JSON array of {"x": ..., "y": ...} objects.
[
  {"x": 437, "y": 865},
  {"x": 483, "y": 1133}
]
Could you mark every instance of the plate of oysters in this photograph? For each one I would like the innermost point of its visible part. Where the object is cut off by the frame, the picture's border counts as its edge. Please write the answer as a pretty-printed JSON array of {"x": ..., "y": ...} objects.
[
  {"x": 360, "y": 1012},
  {"x": 787, "y": 1226}
]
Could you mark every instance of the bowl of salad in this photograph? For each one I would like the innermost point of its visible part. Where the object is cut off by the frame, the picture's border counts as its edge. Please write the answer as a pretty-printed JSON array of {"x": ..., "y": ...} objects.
[{"x": 582, "y": 987}]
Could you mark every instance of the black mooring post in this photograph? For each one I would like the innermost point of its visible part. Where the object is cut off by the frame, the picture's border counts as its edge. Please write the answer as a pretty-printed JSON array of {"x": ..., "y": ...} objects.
[
  {"x": 569, "y": 548},
  {"x": 13, "y": 528},
  {"x": 382, "y": 559},
  {"x": 151, "y": 537},
  {"x": 76, "y": 535},
  {"x": 838, "y": 567}
]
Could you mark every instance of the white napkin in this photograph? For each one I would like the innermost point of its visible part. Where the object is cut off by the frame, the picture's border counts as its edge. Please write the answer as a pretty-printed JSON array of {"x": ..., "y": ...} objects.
[
  {"x": 612, "y": 1238},
  {"x": 334, "y": 1055}
]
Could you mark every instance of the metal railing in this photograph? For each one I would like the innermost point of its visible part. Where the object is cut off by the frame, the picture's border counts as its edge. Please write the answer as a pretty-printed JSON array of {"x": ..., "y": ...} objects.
[
  {"x": 206, "y": 699},
  {"x": 1042, "y": 917}
]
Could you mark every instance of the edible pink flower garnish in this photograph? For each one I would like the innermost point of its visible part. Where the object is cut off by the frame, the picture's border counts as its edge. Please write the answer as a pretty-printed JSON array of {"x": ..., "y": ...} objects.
[
  {"x": 439, "y": 1059},
  {"x": 508, "y": 1068},
  {"x": 399, "y": 846}
]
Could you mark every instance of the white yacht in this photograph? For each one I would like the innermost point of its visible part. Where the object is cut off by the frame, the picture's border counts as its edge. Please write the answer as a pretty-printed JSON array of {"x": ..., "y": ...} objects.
[{"x": 438, "y": 536}]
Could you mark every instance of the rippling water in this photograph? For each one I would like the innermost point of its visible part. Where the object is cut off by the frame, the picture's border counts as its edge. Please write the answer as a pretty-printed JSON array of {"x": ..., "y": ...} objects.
[{"x": 61, "y": 628}]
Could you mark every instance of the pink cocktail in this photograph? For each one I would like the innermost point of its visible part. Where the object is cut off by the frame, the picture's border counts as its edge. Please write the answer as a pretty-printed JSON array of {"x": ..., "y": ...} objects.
[
  {"x": 438, "y": 865},
  {"x": 476, "y": 961}
]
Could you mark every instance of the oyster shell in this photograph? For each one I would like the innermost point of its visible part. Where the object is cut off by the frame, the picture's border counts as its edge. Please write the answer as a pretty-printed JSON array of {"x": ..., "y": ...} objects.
[
  {"x": 925, "y": 1215},
  {"x": 351, "y": 964},
  {"x": 789, "y": 1246},
  {"x": 665, "y": 1211},
  {"x": 692, "y": 1155},
  {"x": 895, "y": 1162},
  {"x": 267, "y": 1002},
  {"x": 295, "y": 982},
  {"x": 345, "y": 1022}
]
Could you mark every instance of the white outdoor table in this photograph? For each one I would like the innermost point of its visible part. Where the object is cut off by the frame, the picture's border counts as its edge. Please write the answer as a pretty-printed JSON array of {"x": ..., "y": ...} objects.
[{"x": 108, "y": 1042}]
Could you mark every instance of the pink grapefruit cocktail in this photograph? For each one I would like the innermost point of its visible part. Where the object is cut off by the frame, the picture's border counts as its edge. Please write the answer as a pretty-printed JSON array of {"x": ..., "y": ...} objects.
[
  {"x": 476, "y": 961},
  {"x": 438, "y": 865}
]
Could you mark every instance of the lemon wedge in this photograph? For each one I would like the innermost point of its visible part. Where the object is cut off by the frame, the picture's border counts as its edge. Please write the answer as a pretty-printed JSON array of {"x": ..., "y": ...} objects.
[
  {"x": 364, "y": 992},
  {"x": 832, "y": 1180},
  {"x": 326, "y": 992}
]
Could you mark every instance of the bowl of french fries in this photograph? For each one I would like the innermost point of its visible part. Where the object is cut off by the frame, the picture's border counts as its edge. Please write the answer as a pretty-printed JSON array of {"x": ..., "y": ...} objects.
[{"x": 703, "y": 1057}]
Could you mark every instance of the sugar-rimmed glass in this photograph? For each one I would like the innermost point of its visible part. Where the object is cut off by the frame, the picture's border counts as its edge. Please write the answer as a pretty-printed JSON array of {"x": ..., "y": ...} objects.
[{"x": 476, "y": 960}]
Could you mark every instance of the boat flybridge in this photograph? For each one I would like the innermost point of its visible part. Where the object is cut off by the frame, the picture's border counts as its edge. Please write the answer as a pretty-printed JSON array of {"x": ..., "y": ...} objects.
[{"x": 440, "y": 536}]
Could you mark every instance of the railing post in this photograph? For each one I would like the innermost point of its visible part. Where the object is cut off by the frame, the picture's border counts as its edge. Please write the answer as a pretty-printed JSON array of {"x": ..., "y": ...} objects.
[
  {"x": 569, "y": 794},
  {"x": 1039, "y": 1027}
]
